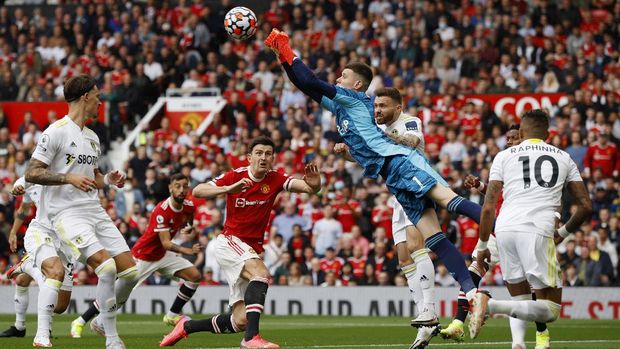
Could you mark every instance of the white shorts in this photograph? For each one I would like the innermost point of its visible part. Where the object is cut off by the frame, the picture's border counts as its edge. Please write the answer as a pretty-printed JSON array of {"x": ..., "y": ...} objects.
[
  {"x": 231, "y": 253},
  {"x": 169, "y": 264},
  {"x": 90, "y": 232},
  {"x": 41, "y": 243},
  {"x": 492, "y": 245},
  {"x": 399, "y": 223},
  {"x": 531, "y": 257}
]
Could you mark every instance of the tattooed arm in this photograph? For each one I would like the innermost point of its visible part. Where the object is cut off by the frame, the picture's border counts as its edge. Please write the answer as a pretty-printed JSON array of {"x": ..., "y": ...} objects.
[{"x": 39, "y": 173}]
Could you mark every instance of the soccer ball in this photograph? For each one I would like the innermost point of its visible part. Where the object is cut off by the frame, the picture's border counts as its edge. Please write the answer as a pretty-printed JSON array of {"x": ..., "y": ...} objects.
[{"x": 240, "y": 23}]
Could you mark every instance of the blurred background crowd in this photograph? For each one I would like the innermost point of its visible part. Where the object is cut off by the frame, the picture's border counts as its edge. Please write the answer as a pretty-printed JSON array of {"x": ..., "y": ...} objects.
[{"x": 434, "y": 52}]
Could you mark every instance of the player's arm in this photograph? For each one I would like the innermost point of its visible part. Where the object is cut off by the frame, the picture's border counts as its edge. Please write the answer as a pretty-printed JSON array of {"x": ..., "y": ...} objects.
[
  {"x": 299, "y": 74},
  {"x": 20, "y": 217},
  {"x": 39, "y": 173},
  {"x": 474, "y": 182},
  {"x": 166, "y": 242},
  {"x": 487, "y": 217},
  {"x": 584, "y": 208},
  {"x": 210, "y": 190},
  {"x": 410, "y": 140},
  {"x": 311, "y": 183},
  {"x": 115, "y": 177},
  {"x": 343, "y": 149}
]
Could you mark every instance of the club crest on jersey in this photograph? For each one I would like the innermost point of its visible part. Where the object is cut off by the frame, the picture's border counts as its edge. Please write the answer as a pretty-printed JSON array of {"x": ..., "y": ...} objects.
[
  {"x": 160, "y": 219},
  {"x": 264, "y": 188},
  {"x": 94, "y": 146}
]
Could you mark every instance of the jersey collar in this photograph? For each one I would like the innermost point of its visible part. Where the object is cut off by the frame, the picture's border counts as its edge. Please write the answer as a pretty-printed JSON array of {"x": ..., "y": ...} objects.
[
  {"x": 172, "y": 206},
  {"x": 254, "y": 178}
]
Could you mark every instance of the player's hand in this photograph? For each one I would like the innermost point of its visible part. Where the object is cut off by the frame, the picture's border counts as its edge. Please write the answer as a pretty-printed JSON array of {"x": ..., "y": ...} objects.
[
  {"x": 13, "y": 241},
  {"x": 484, "y": 256},
  {"x": 240, "y": 186},
  {"x": 18, "y": 190},
  {"x": 117, "y": 178},
  {"x": 557, "y": 239},
  {"x": 471, "y": 182},
  {"x": 340, "y": 148},
  {"x": 271, "y": 39},
  {"x": 196, "y": 249},
  {"x": 312, "y": 176},
  {"x": 83, "y": 183}
]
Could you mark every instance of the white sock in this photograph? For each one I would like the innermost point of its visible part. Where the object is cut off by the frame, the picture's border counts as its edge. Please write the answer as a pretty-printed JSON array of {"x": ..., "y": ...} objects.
[
  {"x": 48, "y": 296},
  {"x": 29, "y": 268},
  {"x": 414, "y": 287},
  {"x": 517, "y": 326},
  {"x": 426, "y": 275},
  {"x": 125, "y": 283},
  {"x": 105, "y": 297},
  {"x": 21, "y": 306},
  {"x": 80, "y": 320},
  {"x": 540, "y": 310}
]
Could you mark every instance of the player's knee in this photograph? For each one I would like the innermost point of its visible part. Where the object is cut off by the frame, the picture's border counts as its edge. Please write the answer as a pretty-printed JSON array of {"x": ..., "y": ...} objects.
[
  {"x": 553, "y": 310},
  {"x": 106, "y": 270},
  {"x": 23, "y": 280},
  {"x": 240, "y": 322},
  {"x": 55, "y": 271},
  {"x": 129, "y": 274},
  {"x": 194, "y": 278}
]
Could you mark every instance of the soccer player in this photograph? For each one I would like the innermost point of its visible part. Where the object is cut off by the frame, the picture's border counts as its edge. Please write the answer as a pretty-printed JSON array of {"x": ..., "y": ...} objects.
[
  {"x": 154, "y": 251},
  {"x": 250, "y": 194},
  {"x": 41, "y": 248},
  {"x": 408, "y": 175},
  {"x": 412, "y": 255},
  {"x": 532, "y": 176},
  {"x": 65, "y": 163},
  {"x": 477, "y": 270}
]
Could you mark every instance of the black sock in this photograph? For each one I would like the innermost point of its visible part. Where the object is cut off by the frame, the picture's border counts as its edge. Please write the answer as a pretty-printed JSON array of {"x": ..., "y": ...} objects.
[
  {"x": 183, "y": 296},
  {"x": 254, "y": 302},
  {"x": 475, "y": 278},
  {"x": 221, "y": 323},
  {"x": 540, "y": 326},
  {"x": 90, "y": 313},
  {"x": 462, "y": 307}
]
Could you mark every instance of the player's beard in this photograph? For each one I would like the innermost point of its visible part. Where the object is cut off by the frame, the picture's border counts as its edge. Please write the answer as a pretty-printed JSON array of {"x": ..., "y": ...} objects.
[{"x": 179, "y": 199}]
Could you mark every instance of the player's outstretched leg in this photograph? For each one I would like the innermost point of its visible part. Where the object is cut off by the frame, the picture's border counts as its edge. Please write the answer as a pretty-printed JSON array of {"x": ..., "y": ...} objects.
[
  {"x": 218, "y": 324},
  {"x": 254, "y": 302},
  {"x": 186, "y": 292},
  {"x": 77, "y": 325},
  {"x": 425, "y": 276},
  {"x": 425, "y": 334},
  {"x": 543, "y": 338},
  {"x": 456, "y": 329}
]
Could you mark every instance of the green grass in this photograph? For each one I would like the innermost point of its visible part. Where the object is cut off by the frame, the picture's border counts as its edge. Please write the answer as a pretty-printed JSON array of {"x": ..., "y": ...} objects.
[{"x": 145, "y": 331}]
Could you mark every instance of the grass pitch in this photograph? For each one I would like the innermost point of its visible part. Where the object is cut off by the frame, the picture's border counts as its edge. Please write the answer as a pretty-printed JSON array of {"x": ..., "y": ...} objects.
[{"x": 145, "y": 331}]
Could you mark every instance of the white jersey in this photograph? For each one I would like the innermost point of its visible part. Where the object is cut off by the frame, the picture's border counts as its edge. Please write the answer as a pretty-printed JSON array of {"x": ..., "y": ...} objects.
[
  {"x": 33, "y": 195},
  {"x": 406, "y": 125},
  {"x": 534, "y": 174},
  {"x": 66, "y": 148}
]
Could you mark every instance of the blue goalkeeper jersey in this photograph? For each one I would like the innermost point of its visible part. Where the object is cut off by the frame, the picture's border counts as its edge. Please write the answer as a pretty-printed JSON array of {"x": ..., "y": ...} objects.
[{"x": 368, "y": 144}]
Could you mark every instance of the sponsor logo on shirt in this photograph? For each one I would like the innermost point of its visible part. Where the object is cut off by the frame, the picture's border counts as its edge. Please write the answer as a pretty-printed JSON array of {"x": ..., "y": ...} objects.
[
  {"x": 81, "y": 159},
  {"x": 241, "y": 202}
]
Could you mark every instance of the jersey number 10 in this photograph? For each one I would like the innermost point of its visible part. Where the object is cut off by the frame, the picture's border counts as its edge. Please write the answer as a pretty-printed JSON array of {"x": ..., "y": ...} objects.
[{"x": 527, "y": 181}]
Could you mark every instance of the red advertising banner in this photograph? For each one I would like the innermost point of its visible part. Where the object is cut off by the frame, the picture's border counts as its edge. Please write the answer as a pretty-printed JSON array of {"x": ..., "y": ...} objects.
[
  {"x": 192, "y": 110},
  {"x": 513, "y": 103},
  {"x": 14, "y": 112}
]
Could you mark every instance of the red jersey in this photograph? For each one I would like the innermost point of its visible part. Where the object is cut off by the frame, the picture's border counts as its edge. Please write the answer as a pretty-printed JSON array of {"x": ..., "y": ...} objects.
[
  {"x": 334, "y": 265},
  {"x": 248, "y": 212},
  {"x": 346, "y": 214},
  {"x": 603, "y": 157},
  {"x": 383, "y": 219},
  {"x": 470, "y": 123},
  {"x": 358, "y": 266},
  {"x": 469, "y": 234},
  {"x": 164, "y": 218}
]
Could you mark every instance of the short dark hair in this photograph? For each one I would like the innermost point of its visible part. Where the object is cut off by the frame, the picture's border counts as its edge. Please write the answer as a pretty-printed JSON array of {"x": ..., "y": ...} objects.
[
  {"x": 536, "y": 119},
  {"x": 391, "y": 92},
  {"x": 78, "y": 86},
  {"x": 262, "y": 140},
  {"x": 515, "y": 127},
  {"x": 363, "y": 70},
  {"x": 178, "y": 177}
]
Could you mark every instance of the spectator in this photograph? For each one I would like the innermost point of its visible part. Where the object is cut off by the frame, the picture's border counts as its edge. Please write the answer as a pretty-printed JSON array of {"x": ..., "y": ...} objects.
[
  {"x": 326, "y": 232},
  {"x": 285, "y": 221}
]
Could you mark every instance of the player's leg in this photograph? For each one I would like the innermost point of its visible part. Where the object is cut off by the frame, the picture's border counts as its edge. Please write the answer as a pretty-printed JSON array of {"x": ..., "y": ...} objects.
[
  {"x": 21, "y": 299},
  {"x": 78, "y": 232},
  {"x": 179, "y": 267},
  {"x": 258, "y": 275},
  {"x": 54, "y": 273},
  {"x": 543, "y": 337},
  {"x": 405, "y": 261},
  {"x": 64, "y": 295},
  {"x": 518, "y": 292}
]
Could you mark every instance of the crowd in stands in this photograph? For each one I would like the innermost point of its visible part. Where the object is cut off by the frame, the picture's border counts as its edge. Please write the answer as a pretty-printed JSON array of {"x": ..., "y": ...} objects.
[{"x": 434, "y": 52}]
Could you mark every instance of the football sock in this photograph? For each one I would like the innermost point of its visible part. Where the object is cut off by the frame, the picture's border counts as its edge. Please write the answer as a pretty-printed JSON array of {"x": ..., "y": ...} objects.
[
  {"x": 221, "y": 323},
  {"x": 21, "y": 306},
  {"x": 254, "y": 303},
  {"x": 426, "y": 276},
  {"x": 542, "y": 311},
  {"x": 414, "y": 286},
  {"x": 186, "y": 291},
  {"x": 126, "y": 281},
  {"x": 465, "y": 207},
  {"x": 105, "y": 296},
  {"x": 517, "y": 326},
  {"x": 452, "y": 258},
  {"x": 540, "y": 326},
  {"x": 48, "y": 296},
  {"x": 90, "y": 313},
  {"x": 462, "y": 307}
]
